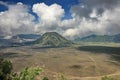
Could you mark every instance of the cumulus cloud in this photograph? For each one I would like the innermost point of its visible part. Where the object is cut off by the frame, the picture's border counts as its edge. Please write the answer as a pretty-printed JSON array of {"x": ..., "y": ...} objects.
[
  {"x": 88, "y": 17},
  {"x": 48, "y": 13},
  {"x": 49, "y": 16},
  {"x": 89, "y": 5},
  {"x": 94, "y": 17},
  {"x": 16, "y": 20}
]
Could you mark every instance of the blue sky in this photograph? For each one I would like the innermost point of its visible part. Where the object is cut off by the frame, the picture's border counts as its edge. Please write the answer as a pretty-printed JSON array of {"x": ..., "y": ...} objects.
[
  {"x": 66, "y": 4},
  {"x": 71, "y": 18}
]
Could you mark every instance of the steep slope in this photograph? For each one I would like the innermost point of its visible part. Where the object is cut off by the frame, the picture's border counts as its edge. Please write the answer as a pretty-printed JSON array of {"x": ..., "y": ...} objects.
[
  {"x": 53, "y": 39},
  {"x": 99, "y": 38}
]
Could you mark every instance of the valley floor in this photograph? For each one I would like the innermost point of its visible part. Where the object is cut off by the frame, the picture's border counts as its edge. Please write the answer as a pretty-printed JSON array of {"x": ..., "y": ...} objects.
[{"x": 81, "y": 62}]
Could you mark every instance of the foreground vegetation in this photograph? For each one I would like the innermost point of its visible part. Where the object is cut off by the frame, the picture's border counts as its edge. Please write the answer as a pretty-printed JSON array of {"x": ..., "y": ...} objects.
[
  {"x": 27, "y": 73},
  {"x": 107, "y": 78},
  {"x": 7, "y": 74}
]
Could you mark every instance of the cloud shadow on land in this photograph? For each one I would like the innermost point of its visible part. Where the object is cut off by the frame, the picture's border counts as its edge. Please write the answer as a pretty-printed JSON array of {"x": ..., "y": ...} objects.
[{"x": 113, "y": 51}]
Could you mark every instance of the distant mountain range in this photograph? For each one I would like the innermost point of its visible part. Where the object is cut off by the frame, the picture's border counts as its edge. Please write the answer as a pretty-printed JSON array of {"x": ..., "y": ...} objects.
[
  {"x": 18, "y": 40},
  {"x": 99, "y": 38},
  {"x": 49, "y": 39},
  {"x": 25, "y": 37},
  {"x": 53, "y": 39},
  {"x": 28, "y": 36},
  {"x": 4, "y": 42}
]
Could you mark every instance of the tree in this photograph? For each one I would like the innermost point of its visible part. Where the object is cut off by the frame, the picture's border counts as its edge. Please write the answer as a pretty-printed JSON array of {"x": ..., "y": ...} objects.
[
  {"x": 26, "y": 74},
  {"x": 5, "y": 69}
]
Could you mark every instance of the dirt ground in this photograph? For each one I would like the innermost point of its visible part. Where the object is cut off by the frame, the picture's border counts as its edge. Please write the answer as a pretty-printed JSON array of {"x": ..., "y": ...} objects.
[{"x": 76, "y": 63}]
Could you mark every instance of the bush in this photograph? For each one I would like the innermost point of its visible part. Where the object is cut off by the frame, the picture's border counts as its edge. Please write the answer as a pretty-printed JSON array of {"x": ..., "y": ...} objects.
[
  {"x": 27, "y": 74},
  {"x": 107, "y": 78},
  {"x": 5, "y": 69},
  {"x": 45, "y": 78},
  {"x": 7, "y": 74}
]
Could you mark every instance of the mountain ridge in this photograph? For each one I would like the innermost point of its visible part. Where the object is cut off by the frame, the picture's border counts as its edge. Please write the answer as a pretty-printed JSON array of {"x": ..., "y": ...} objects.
[{"x": 99, "y": 38}]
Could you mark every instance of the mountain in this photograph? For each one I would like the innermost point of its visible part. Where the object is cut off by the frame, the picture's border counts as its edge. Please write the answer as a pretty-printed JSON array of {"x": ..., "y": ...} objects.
[
  {"x": 29, "y": 36},
  {"x": 117, "y": 38},
  {"x": 53, "y": 39},
  {"x": 4, "y": 42},
  {"x": 25, "y": 37},
  {"x": 99, "y": 38},
  {"x": 18, "y": 40}
]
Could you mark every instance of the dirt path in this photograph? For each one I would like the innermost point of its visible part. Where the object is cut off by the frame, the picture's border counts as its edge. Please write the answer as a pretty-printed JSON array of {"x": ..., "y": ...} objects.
[
  {"x": 95, "y": 64},
  {"x": 97, "y": 72}
]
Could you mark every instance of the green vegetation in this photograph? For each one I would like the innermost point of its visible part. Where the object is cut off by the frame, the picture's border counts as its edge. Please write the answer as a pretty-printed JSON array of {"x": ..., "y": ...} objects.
[
  {"x": 5, "y": 69},
  {"x": 53, "y": 39},
  {"x": 7, "y": 74},
  {"x": 45, "y": 78},
  {"x": 107, "y": 78},
  {"x": 26, "y": 74}
]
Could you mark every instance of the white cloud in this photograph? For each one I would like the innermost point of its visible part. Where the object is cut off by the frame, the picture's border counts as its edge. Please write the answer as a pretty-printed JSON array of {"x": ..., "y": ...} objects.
[
  {"x": 49, "y": 16},
  {"x": 88, "y": 18},
  {"x": 71, "y": 32},
  {"x": 48, "y": 13},
  {"x": 16, "y": 20}
]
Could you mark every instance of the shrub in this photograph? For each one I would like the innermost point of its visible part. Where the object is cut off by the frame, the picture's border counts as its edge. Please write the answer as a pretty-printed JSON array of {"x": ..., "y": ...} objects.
[
  {"x": 5, "y": 69},
  {"x": 45, "y": 78},
  {"x": 27, "y": 74},
  {"x": 107, "y": 78},
  {"x": 7, "y": 74}
]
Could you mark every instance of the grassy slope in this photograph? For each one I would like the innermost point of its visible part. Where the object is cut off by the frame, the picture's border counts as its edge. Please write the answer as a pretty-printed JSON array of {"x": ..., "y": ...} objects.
[{"x": 53, "y": 39}]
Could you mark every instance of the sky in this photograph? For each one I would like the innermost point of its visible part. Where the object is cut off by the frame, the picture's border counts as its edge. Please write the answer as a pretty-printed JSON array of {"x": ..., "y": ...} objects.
[{"x": 70, "y": 18}]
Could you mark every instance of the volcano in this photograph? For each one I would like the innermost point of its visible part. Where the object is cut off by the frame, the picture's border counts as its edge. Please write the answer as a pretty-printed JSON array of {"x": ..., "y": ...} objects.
[{"x": 53, "y": 39}]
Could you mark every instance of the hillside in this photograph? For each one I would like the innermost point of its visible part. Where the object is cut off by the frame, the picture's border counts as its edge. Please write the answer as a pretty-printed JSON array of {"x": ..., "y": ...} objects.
[
  {"x": 99, "y": 38},
  {"x": 53, "y": 39}
]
